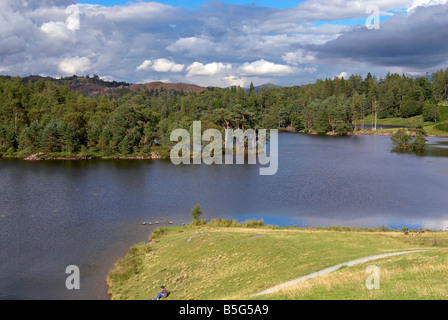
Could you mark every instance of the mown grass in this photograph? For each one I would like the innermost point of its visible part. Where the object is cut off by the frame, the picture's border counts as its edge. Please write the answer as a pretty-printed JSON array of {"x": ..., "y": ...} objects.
[{"x": 231, "y": 262}]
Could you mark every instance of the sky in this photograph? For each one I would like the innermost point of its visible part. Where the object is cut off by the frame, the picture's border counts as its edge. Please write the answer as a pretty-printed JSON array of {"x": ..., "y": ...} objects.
[{"x": 222, "y": 43}]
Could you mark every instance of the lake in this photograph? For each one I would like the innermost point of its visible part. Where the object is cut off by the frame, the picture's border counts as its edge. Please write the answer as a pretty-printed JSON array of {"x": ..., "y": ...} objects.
[{"x": 88, "y": 213}]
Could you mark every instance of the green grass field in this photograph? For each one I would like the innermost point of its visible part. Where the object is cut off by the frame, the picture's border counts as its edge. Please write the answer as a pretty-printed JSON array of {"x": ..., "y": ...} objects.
[
  {"x": 235, "y": 263},
  {"x": 399, "y": 122},
  {"x": 439, "y": 128}
]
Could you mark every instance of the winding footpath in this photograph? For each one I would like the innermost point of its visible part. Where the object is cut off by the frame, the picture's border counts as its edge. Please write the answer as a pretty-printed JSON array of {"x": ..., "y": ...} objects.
[{"x": 332, "y": 269}]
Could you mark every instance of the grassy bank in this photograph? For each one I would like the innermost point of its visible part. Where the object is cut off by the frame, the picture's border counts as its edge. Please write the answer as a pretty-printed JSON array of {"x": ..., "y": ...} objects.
[
  {"x": 212, "y": 262},
  {"x": 394, "y": 122},
  {"x": 439, "y": 128}
]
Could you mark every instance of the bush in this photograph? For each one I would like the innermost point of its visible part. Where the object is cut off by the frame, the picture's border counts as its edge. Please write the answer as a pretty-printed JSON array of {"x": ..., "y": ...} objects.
[
  {"x": 419, "y": 143},
  {"x": 196, "y": 214},
  {"x": 403, "y": 141},
  {"x": 343, "y": 129}
]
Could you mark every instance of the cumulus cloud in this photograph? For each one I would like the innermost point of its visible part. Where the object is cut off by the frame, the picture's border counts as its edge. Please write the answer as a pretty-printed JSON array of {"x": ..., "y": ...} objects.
[
  {"x": 263, "y": 67},
  {"x": 235, "y": 81},
  {"x": 209, "y": 69},
  {"x": 342, "y": 75},
  {"x": 161, "y": 65},
  {"x": 56, "y": 30},
  {"x": 165, "y": 65},
  {"x": 424, "y": 3},
  {"x": 146, "y": 65},
  {"x": 75, "y": 65}
]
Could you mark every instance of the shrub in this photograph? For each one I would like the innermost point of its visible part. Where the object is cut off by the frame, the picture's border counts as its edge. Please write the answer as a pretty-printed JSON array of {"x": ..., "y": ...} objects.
[
  {"x": 403, "y": 141},
  {"x": 196, "y": 214},
  {"x": 343, "y": 129}
]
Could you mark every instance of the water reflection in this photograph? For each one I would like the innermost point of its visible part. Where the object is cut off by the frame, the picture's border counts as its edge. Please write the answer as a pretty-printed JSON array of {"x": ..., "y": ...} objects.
[{"x": 361, "y": 222}]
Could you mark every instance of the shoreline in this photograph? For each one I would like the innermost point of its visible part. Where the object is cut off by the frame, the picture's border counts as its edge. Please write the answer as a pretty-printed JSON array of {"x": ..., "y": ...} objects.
[
  {"x": 360, "y": 132},
  {"x": 41, "y": 156}
]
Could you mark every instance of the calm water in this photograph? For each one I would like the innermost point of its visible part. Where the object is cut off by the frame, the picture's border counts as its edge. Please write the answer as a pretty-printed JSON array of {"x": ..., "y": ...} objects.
[{"x": 55, "y": 214}]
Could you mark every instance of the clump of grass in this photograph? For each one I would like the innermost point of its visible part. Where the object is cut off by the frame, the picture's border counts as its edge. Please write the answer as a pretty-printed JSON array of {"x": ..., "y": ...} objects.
[
  {"x": 157, "y": 233},
  {"x": 223, "y": 223},
  {"x": 433, "y": 240},
  {"x": 129, "y": 266},
  {"x": 231, "y": 223},
  {"x": 253, "y": 223}
]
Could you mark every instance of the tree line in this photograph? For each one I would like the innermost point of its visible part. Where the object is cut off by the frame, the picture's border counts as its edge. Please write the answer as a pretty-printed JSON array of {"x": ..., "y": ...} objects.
[{"x": 42, "y": 116}]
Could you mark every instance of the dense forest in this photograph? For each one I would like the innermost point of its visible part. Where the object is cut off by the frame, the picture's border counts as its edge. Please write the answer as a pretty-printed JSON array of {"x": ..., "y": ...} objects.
[{"x": 40, "y": 115}]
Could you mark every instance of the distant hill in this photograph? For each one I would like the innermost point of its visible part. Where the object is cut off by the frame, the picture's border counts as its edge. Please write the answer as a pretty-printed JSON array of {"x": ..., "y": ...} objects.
[
  {"x": 94, "y": 85},
  {"x": 266, "y": 86},
  {"x": 91, "y": 86},
  {"x": 84, "y": 84}
]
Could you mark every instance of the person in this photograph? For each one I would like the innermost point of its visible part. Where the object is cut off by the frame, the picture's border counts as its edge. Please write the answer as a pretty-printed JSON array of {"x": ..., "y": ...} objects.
[{"x": 162, "y": 294}]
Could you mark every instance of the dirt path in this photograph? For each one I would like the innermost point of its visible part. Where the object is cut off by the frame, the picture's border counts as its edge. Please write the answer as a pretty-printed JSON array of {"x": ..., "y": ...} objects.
[{"x": 332, "y": 269}]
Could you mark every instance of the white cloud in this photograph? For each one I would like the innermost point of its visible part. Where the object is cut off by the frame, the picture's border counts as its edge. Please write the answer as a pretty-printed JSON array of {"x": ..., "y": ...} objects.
[
  {"x": 263, "y": 67},
  {"x": 298, "y": 57},
  {"x": 235, "y": 81},
  {"x": 153, "y": 80},
  {"x": 56, "y": 30},
  {"x": 165, "y": 65},
  {"x": 145, "y": 65},
  {"x": 424, "y": 3},
  {"x": 161, "y": 65},
  {"x": 342, "y": 75},
  {"x": 75, "y": 65},
  {"x": 210, "y": 69},
  {"x": 191, "y": 44}
]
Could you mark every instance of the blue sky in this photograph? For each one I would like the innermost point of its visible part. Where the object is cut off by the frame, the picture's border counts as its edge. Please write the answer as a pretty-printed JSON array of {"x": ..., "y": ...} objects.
[{"x": 231, "y": 42}]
